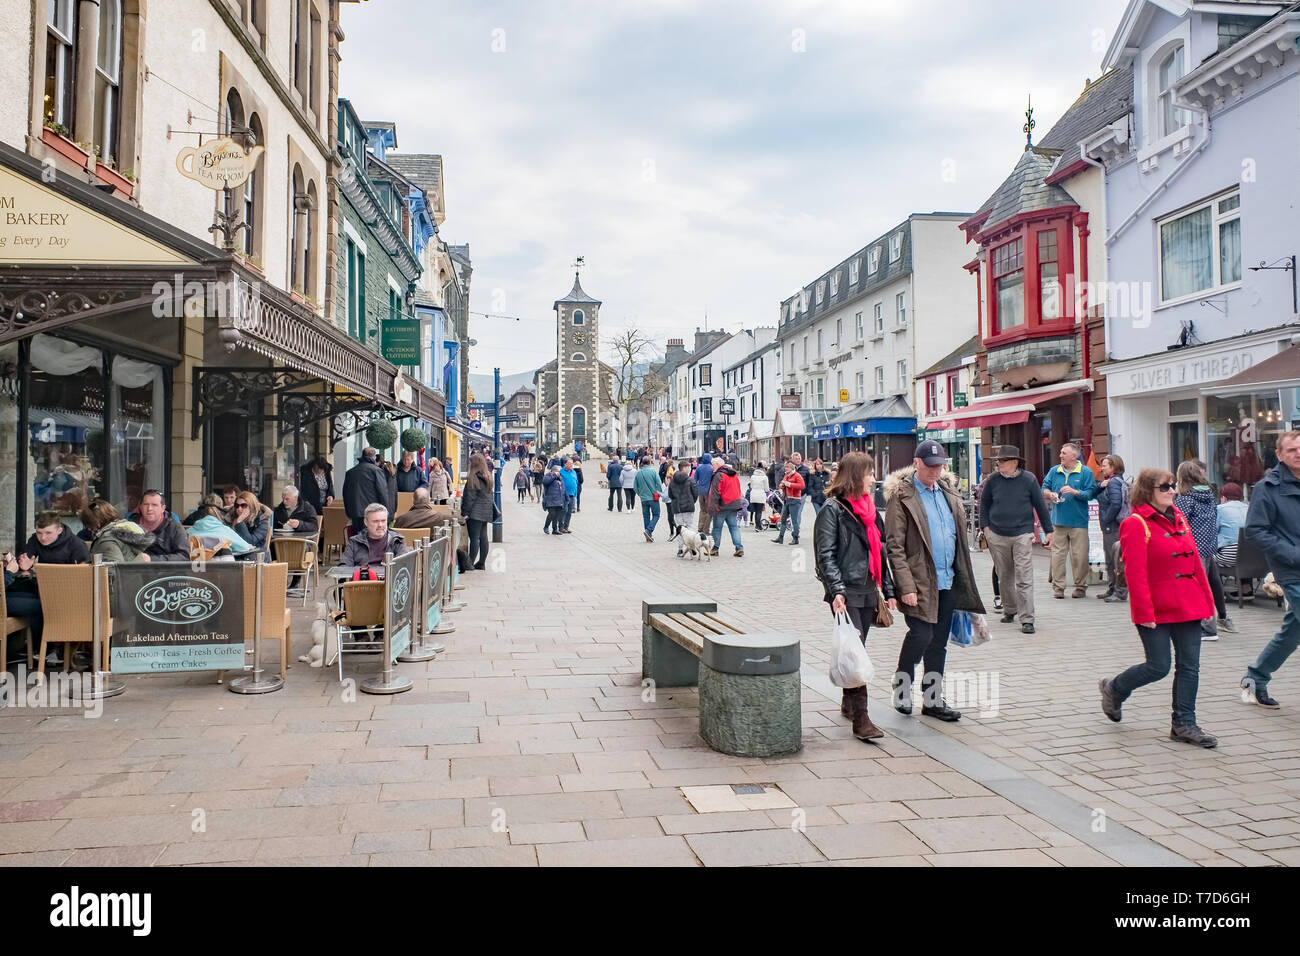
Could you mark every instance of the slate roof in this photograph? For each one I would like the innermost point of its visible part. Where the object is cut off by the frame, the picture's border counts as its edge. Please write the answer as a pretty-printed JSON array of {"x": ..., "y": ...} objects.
[
  {"x": 576, "y": 294},
  {"x": 1101, "y": 103},
  {"x": 423, "y": 169},
  {"x": 953, "y": 359},
  {"x": 1024, "y": 190}
]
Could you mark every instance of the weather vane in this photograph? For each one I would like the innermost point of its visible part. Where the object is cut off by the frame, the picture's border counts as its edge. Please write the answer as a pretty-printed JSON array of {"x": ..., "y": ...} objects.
[
  {"x": 578, "y": 264},
  {"x": 1029, "y": 125}
]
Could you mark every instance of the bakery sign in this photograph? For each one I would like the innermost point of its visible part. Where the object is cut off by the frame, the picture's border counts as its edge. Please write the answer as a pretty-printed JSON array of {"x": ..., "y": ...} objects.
[{"x": 219, "y": 163}]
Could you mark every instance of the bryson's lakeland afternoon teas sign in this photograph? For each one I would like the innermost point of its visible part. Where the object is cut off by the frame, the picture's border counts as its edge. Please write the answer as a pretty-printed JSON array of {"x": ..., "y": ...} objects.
[{"x": 164, "y": 622}]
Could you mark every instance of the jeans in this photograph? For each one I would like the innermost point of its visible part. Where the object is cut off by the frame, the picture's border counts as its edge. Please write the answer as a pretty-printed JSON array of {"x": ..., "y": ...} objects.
[
  {"x": 756, "y": 513},
  {"x": 1185, "y": 638},
  {"x": 22, "y": 602},
  {"x": 569, "y": 504},
  {"x": 1114, "y": 564},
  {"x": 732, "y": 519},
  {"x": 1013, "y": 562},
  {"x": 649, "y": 514},
  {"x": 1277, "y": 650},
  {"x": 817, "y": 508},
  {"x": 554, "y": 519},
  {"x": 928, "y": 642},
  {"x": 477, "y": 531},
  {"x": 615, "y": 496},
  {"x": 792, "y": 513}
]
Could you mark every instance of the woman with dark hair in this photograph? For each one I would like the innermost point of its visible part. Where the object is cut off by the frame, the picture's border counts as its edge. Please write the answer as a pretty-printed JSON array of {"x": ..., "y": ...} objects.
[
  {"x": 316, "y": 483},
  {"x": 116, "y": 539},
  {"x": 1169, "y": 596},
  {"x": 1199, "y": 504},
  {"x": 478, "y": 508},
  {"x": 251, "y": 520},
  {"x": 848, "y": 546},
  {"x": 818, "y": 479}
]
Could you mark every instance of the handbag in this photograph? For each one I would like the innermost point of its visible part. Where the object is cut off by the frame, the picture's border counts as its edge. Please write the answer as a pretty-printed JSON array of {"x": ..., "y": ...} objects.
[{"x": 884, "y": 617}]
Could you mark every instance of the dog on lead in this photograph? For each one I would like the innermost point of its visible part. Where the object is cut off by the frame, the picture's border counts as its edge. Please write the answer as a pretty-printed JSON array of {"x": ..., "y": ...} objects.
[{"x": 694, "y": 544}]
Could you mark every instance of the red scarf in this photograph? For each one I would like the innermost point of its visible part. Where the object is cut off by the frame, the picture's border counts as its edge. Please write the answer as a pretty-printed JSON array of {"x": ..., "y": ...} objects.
[{"x": 865, "y": 509}]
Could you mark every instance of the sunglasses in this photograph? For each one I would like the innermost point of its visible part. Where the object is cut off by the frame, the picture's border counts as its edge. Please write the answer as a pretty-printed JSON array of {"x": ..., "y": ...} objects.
[
  {"x": 241, "y": 507},
  {"x": 1166, "y": 486}
]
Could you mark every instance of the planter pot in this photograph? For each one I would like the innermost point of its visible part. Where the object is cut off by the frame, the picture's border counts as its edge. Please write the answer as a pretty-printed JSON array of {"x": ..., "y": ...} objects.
[
  {"x": 120, "y": 183},
  {"x": 64, "y": 147}
]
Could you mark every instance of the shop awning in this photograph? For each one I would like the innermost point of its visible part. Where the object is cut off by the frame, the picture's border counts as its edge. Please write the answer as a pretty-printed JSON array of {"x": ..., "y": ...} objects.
[
  {"x": 884, "y": 416},
  {"x": 1279, "y": 371},
  {"x": 986, "y": 411}
]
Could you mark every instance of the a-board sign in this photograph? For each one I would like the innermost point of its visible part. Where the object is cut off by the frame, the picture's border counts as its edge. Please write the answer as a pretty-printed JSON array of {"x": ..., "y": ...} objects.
[
  {"x": 170, "y": 617},
  {"x": 401, "y": 580}
]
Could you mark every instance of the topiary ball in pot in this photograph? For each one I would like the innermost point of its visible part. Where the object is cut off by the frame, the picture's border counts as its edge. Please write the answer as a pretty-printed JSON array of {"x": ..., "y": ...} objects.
[
  {"x": 414, "y": 439},
  {"x": 381, "y": 435}
]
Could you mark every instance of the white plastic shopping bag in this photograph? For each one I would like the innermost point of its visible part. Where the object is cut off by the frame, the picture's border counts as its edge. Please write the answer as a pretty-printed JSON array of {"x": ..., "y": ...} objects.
[
  {"x": 850, "y": 665},
  {"x": 979, "y": 630}
]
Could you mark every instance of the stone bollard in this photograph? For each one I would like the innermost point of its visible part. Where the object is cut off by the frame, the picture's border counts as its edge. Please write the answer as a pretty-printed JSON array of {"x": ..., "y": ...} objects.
[{"x": 749, "y": 691}]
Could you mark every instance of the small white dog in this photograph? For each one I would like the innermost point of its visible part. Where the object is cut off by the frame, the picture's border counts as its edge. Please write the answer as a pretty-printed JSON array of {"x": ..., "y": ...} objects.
[
  {"x": 319, "y": 627},
  {"x": 693, "y": 543}
]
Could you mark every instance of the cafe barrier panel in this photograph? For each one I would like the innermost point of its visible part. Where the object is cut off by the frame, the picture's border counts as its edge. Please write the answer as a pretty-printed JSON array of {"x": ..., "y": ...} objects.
[{"x": 401, "y": 583}]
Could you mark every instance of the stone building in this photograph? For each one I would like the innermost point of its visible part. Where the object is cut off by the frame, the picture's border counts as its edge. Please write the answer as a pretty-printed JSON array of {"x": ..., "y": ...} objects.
[{"x": 574, "y": 394}]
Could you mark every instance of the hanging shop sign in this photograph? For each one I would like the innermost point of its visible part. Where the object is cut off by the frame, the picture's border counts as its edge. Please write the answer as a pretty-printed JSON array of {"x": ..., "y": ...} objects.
[
  {"x": 219, "y": 163},
  {"x": 401, "y": 341},
  {"x": 190, "y": 620}
]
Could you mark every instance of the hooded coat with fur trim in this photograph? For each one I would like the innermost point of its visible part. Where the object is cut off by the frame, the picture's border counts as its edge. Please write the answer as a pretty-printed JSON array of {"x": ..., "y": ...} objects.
[{"x": 907, "y": 543}]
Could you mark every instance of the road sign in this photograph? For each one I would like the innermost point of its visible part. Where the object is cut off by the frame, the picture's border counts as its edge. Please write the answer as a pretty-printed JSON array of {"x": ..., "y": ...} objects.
[
  {"x": 476, "y": 425},
  {"x": 482, "y": 406},
  {"x": 507, "y": 418}
]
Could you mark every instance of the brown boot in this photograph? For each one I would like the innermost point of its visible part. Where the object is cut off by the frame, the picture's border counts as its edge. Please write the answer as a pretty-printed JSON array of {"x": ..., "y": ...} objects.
[
  {"x": 863, "y": 728},
  {"x": 845, "y": 709}
]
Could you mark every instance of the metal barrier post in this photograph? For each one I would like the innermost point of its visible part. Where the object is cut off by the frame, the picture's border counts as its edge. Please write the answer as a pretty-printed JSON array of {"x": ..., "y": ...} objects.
[
  {"x": 102, "y": 685},
  {"x": 258, "y": 683},
  {"x": 452, "y": 604},
  {"x": 417, "y": 652},
  {"x": 387, "y": 682}
]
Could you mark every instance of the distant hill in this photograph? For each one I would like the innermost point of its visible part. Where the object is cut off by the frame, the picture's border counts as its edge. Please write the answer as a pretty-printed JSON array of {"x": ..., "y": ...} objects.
[{"x": 482, "y": 384}]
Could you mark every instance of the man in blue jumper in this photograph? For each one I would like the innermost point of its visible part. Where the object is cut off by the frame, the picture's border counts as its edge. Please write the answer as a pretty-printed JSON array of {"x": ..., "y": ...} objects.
[{"x": 1068, "y": 487}]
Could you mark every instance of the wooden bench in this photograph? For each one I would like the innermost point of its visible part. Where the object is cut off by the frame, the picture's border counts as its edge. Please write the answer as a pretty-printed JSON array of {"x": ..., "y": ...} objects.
[{"x": 748, "y": 684}]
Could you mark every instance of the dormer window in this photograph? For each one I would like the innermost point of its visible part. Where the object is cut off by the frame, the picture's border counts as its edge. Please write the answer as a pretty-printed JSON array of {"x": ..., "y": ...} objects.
[
  {"x": 578, "y": 317},
  {"x": 1172, "y": 118},
  {"x": 835, "y": 284},
  {"x": 895, "y": 247},
  {"x": 854, "y": 267},
  {"x": 873, "y": 260},
  {"x": 821, "y": 292}
]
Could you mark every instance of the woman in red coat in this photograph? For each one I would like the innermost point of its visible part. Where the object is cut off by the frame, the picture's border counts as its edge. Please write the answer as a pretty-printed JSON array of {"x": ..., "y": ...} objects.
[{"x": 1169, "y": 595}]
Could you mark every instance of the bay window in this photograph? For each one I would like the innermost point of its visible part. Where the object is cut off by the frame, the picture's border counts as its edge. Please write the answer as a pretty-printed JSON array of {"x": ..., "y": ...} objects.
[
  {"x": 1200, "y": 249},
  {"x": 1049, "y": 279},
  {"x": 1009, "y": 283}
]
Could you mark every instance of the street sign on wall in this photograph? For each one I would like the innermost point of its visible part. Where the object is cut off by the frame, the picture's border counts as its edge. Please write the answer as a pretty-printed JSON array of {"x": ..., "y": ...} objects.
[
  {"x": 792, "y": 400},
  {"x": 727, "y": 406}
]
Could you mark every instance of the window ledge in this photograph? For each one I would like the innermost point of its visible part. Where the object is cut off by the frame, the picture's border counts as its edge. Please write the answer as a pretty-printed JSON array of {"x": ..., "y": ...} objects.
[
  {"x": 878, "y": 337},
  {"x": 858, "y": 342},
  {"x": 1197, "y": 296},
  {"x": 1178, "y": 141},
  {"x": 900, "y": 328}
]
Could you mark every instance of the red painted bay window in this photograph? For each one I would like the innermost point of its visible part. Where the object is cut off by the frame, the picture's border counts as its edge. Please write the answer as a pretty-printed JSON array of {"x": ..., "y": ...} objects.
[{"x": 1029, "y": 281}]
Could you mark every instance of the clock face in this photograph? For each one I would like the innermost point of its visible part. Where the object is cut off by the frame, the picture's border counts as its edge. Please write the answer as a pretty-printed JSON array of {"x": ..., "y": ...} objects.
[{"x": 579, "y": 338}]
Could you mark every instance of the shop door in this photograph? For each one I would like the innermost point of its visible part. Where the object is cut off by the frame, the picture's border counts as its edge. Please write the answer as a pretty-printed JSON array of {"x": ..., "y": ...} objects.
[
  {"x": 229, "y": 450},
  {"x": 1184, "y": 443}
]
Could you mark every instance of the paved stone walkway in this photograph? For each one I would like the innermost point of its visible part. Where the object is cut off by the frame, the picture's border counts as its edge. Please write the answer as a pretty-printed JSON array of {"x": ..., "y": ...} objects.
[{"x": 529, "y": 742}]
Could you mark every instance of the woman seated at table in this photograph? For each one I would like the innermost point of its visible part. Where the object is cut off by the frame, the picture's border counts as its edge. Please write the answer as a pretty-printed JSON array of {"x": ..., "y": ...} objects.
[
  {"x": 212, "y": 503},
  {"x": 213, "y": 533},
  {"x": 252, "y": 521},
  {"x": 293, "y": 515},
  {"x": 117, "y": 540}
]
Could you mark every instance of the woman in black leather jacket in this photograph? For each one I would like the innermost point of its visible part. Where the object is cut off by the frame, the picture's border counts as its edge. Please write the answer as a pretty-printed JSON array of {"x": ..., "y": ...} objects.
[{"x": 848, "y": 544}]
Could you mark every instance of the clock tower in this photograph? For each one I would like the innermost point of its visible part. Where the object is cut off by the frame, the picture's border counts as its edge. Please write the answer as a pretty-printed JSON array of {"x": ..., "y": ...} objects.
[{"x": 577, "y": 363}]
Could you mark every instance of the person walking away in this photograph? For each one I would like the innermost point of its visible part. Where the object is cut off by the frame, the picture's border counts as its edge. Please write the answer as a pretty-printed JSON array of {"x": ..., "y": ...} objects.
[
  {"x": 628, "y": 481},
  {"x": 758, "y": 489},
  {"x": 364, "y": 484},
  {"x": 1199, "y": 505},
  {"x": 523, "y": 481},
  {"x": 1273, "y": 526},
  {"x": 925, "y": 535},
  {"x": 1008, "y": 502},
  {"x": 577, "y": 470},
  {"x": 553, "y": 501},
  {"x": 390, "y": 482},
  {"x": 1231, "y": 519},
  {"x": 478, "y": 507},
  {"x": 539, "y": 470},
  {"x": 681, "y": 493},
  {"x": 570, "y": 479},
  {"x": 439, "y": 483},
  {"x": 1114, "y": 506},
  {"x": 646, "y": 485},
  {"x": 1169, "y": 595},
  {"x": 614, "y": 474},
  {"x": 703, "y": 480},
  {"x": 792, "y": 489},
  {"x": 849, "y": 552},
  {"x": 817, "y": 480},
  {"x": 1069, "y": 487},
  {"x": 725, "y": 504}
]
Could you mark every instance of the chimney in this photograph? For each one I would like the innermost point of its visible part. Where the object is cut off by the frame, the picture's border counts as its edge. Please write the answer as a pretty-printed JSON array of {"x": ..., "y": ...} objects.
[{"x": 675, "y": 353}]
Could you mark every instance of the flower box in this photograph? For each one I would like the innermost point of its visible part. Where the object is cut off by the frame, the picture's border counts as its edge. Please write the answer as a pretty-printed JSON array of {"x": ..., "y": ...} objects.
[
  {"x": 65, "y": 147},
  {"x": 107, "y": 174}
]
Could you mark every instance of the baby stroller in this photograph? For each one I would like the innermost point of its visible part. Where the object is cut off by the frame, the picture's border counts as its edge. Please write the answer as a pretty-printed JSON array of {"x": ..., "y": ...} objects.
[{"x": 775, "y": 504}]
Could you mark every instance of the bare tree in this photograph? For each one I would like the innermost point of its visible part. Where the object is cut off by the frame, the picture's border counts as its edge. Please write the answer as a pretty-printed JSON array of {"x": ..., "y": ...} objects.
[{"x": 627, "y": 350}]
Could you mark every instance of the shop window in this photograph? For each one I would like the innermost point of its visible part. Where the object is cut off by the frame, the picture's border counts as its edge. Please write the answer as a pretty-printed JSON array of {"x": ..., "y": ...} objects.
[
  {"x": 10, "y": 447},
  {"x": 1241, "y": 436},
  {"x": 68, "y": 460},
  {"x": 60, "y": 62},
  {"x": 137, "y": 414},
  {"x": 1200, "y": 249}
]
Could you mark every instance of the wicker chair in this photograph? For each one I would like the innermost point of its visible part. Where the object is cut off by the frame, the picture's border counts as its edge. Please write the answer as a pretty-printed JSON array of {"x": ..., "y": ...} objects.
[
  {"x": 12, "y": 626},
  {"x": 404, "y": 501},
  {"x": 275, "y": 614},
  {"x": 299, "y": 554},
  {"x": 412, "y": 535},
  {"x": 68, "y": 609},
  {"x": 335, "y": 528},
  {"x": 362, "y": 613}
]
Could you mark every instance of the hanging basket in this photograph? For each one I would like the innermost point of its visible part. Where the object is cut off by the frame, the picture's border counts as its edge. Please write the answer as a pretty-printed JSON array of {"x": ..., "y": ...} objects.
[
  {"x": 414, "y": 439},
  {"x": 381, "y": 435}
]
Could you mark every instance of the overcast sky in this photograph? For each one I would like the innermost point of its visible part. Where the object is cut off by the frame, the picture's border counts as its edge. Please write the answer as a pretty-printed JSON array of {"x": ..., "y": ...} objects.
[{"x": 705, "y": 157}]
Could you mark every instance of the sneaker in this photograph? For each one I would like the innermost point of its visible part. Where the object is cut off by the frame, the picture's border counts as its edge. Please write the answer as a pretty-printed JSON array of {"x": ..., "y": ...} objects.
[
  {"x": 1109, "y": 705},
  {"x": 997, "y": 604},
  {"x": 1225, "y": 624},
  {"x": 1207, "y": 636},
  {"x": 942, "y": 712},
  {"x": 1008, "y": 619},
  {"x": 1058, "y": 593},
  {"x": 648, "y": 536},
  {"x": 1027, "y": 628},
  {"x": 1116, "y": 599},
  {"x": 1192, "y": 734},
  {"x": 740, "y": 553},
  {"x": 1257, "y": 695}
]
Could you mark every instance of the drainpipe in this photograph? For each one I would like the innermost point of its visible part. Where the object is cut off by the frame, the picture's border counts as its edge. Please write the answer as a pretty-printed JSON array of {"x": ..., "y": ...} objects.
[
  {"x": 1085, "y": 360},
  {"x": 1204, "y": 113}
]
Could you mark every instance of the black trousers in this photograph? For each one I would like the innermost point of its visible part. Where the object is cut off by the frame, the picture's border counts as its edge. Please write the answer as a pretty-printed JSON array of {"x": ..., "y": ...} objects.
[
  {"x": 615, "y": 496},
  {"x": 554, "y": 518},
  {"x": 630, "y": 494},
  {"x": 929, "y": 643},
  {"x": 478, "y": 541}
]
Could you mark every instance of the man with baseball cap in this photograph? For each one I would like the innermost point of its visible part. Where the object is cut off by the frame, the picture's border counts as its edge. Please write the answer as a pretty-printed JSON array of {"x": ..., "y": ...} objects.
[
  {"x": 925, "y": 538},
  {"x": 1011, "y": 497}
]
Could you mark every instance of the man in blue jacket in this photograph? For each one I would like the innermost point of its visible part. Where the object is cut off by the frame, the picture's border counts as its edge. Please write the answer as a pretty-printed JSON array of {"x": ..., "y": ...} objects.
[
  {"x": 570, "y": 478},
  {"x": 648, "y": 487},
  {"x": 703, "y": 479},
  {"x": 614, "y": 473},
  {"x": 1069, "y": 487},
  {"x": 1272, "y": 525}
]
